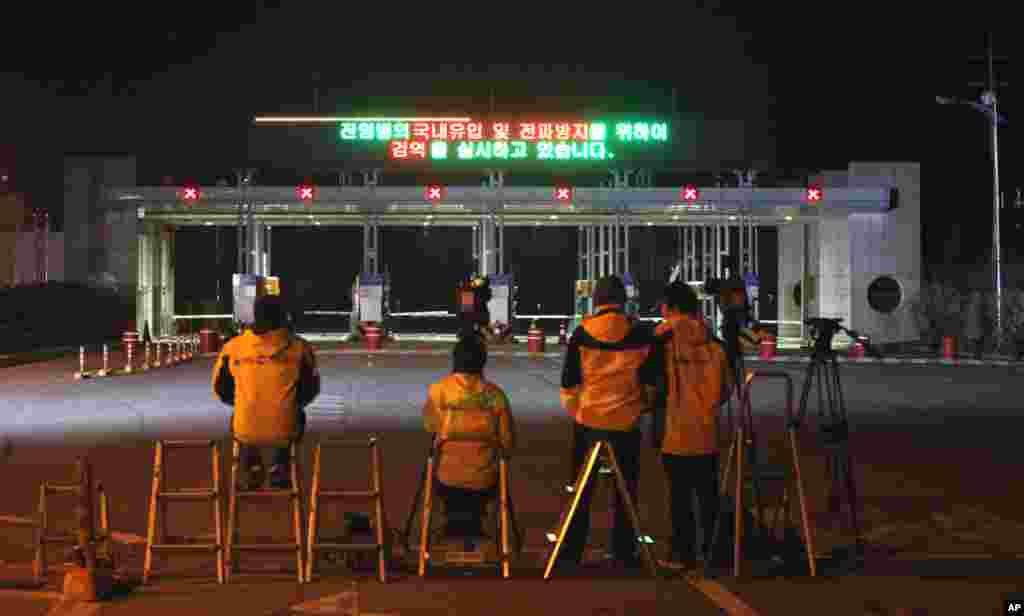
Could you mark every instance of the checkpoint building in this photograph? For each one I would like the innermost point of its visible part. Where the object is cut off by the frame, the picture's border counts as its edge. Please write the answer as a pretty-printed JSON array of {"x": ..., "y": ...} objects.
[{"x": 849, "y": 241}]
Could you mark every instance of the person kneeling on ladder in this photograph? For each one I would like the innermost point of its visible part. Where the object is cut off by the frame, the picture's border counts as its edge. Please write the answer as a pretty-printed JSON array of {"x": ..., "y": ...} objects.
[
  {"x": 459, "y": 407},
  {"x": 691, "y": 377},
  {"x": 269, "y": 376}
]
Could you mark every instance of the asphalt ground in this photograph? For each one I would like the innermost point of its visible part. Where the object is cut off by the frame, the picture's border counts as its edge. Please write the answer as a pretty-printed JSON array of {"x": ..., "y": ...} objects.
[{"x": 936, "y": 454}]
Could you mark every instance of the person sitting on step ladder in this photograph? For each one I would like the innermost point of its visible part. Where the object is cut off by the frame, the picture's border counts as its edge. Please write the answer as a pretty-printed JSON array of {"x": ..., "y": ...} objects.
[
  {"x": 269, "y": 375},
  {"x": 462, "y": 406},
  {"x": 691, "y": 377}
]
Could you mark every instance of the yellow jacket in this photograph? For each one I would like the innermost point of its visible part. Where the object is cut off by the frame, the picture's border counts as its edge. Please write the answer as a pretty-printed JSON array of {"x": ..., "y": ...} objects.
[
  {"x": 693, "y": 379},
  {"x": 466, "y": 409},
  {"x": 600, "y": 388},
  {"x": 268, "y": 378}
]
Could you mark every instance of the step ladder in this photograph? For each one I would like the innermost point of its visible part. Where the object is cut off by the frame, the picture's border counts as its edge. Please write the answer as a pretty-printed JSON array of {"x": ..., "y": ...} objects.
[
  {"x": 294, "y": 494},
  {"x": 375, "y": 494},
  {"x": 505, "y": 518},
  {"x": 588, "y": 471},
  {"x": 156, "y": 531},
  {"x": 743, "y": 446},
  {"x": 45, "y": 538}
]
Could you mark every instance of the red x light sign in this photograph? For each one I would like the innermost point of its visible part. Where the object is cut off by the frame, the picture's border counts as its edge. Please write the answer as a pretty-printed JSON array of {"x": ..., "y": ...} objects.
[
  {"x": 563, "y": 193},
  {"x": 689, "y": 193},
  {"x": 814, "y": 195},
  {"x": 190, "y": 194},
  {"x": 434, "y": 193},
  {"x": 306, "y": 193}
]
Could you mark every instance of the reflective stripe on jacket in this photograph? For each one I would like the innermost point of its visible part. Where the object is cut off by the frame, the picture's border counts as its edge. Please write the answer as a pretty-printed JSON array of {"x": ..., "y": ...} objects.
[
  {"x": 466, "y": 410},
  {"x": 268, "y": 378},
  {"x": 600, "y": 388},
  {"x": 691, "y": 373}
]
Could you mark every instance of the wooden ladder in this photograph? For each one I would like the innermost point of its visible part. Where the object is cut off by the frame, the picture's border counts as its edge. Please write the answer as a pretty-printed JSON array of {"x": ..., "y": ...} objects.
[
  {"x": 156, "y": 532},
  {"x": 45, "y": 538},
  {"x": 294, "y": 494},
  {"x": 375, "y": 494}
]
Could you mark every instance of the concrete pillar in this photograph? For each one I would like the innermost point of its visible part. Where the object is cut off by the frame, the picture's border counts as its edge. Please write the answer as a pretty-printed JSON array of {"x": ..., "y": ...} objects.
[
  {"x": 166, "y": 293},
  {"x": 147, "y": 306}
]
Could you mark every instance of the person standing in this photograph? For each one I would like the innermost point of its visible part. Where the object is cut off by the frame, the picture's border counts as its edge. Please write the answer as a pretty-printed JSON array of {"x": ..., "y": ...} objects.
[
  {"x": 691, "y": 377},
  {"x": 601, "y": 391}
]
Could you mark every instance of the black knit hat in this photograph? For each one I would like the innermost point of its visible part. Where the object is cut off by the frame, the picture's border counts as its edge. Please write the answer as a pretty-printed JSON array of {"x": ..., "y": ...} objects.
[
  {"x": 268, "y": 313},
  {"x": 470, "y": 354},
  {"x": 609, "y": 291},
  {"x": 681, "y": 297}
]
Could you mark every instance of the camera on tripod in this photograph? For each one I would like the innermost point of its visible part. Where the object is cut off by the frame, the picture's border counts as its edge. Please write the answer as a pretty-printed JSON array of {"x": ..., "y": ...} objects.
[{"x": 823, "y": 330}]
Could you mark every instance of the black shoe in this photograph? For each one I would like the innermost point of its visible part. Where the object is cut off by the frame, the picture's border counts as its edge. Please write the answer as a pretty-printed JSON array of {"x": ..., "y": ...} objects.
[
  {"x": 254, "y": 479},
  {"x": 280, "y": 478}
]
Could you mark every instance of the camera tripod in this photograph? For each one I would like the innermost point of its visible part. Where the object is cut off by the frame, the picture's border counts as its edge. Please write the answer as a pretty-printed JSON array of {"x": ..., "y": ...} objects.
[{"x": 823, "y": 372}]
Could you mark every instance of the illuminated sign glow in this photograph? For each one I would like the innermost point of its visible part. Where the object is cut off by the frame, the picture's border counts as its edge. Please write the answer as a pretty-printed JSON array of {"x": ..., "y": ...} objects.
[
  {"x": 191, "y": 194},
  {"x": 305, "y": 192},
  {"x": 814, "y": 195},
  {"x": 690, "y": 193},
  {"x": 457, "y": 140},
  {"x": 563, "y": 194}
]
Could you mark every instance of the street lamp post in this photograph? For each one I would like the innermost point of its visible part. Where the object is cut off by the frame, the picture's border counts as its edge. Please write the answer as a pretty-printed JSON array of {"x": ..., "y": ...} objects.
[{"x": 988, "y": 106}]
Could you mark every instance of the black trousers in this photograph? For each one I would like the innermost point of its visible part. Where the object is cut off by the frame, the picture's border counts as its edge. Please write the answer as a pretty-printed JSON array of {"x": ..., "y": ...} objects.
[
  {"x": 688, "y": 474},
  {"x": 464, "y": 509},
  {"x": 250, "y": 455},
  {"x": 627, "y": 452}
]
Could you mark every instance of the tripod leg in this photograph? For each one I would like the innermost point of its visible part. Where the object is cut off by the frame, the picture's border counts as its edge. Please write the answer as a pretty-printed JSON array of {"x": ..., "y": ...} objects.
[
  {"x": 738, "y": 519},
  {"x": 808, "y": 536},
  {"x": 851, "y": 494},
  {"x": 583, "y": 478},
  {"x": 723, "y": 497}
]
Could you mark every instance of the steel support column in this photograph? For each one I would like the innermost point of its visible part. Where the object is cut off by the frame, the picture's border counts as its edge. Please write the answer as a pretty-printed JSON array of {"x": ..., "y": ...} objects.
[
  {"x": 268, "y": 231},
  {"x": 371, "y": 246}
]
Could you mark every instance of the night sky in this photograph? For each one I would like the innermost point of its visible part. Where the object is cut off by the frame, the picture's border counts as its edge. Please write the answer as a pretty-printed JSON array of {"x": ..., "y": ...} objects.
[{"x": 179, "y": 90}]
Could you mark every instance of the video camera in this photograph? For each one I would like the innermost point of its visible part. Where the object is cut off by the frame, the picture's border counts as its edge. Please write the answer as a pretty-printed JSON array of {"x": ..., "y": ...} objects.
[
  {"x": 823, "y": 330},
  {"x": 731, "y": 291}
]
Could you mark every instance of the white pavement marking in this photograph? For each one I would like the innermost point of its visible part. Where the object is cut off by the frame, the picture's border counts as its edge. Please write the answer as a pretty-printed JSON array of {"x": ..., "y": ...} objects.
[{"x": 720, "y": 596}]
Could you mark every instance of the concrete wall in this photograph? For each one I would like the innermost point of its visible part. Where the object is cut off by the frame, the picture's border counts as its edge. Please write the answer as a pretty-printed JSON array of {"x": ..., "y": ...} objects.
[
  {"x": 100, "y": 239},
  {"x": 26, "y": 266},
  {"x": 12, "y": 217},
  {"x": 845, "y": 253},
  {"x": 887, "y": 244}
]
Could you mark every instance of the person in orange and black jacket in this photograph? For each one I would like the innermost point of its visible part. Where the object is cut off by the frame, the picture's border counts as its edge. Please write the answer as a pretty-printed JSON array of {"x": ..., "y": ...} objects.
[
  {"x": 692, "y": 378},
  {"x": 269, "y": 375},
  {"x": 601, "y": 391},
  {"x": 471, "y": 411}
]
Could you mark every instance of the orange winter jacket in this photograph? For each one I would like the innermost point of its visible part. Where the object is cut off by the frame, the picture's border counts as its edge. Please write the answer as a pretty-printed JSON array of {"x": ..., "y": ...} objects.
[
  {"x": 600, "y": 388},
  {"x": 465, "y": 410},
  {"x": 268, "y": 378},
  {"x": 692, "y": 378}
]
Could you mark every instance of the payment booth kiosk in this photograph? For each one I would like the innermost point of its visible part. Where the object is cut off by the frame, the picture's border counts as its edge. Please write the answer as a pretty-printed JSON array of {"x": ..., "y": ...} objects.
[
  {"x": 247, "y": 287},
  {"x": 371, "y": 294}
]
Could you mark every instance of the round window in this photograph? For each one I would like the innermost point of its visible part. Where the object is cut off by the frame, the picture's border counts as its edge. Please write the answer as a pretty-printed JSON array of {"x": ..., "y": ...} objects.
[{"x": 885, "y": 294}]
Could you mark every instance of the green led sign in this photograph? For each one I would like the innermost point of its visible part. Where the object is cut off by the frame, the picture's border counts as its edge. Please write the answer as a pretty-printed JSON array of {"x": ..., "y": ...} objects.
[{"x": 451, "y": 140}]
